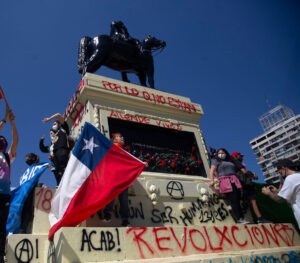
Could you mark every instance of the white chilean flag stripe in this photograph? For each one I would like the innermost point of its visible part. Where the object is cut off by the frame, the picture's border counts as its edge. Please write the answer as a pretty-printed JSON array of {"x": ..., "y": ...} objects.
[{"x": 67, "y": 188}]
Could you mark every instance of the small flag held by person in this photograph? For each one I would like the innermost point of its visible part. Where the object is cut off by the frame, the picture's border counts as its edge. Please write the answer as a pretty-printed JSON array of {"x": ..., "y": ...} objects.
[
  {"x": 97, "y": 172},
  {"x": 19, "y": 195}
]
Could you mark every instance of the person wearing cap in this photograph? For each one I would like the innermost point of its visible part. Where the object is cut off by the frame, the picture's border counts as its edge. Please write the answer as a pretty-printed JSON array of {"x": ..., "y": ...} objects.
[
  {"x": 248, "y": 187},
  {"x": 290, "y": 191},
  {"x": 28, "y": 206}
]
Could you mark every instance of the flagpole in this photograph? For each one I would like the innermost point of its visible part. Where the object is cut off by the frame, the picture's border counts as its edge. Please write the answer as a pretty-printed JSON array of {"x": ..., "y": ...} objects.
[{"x": 3, "y": 96}]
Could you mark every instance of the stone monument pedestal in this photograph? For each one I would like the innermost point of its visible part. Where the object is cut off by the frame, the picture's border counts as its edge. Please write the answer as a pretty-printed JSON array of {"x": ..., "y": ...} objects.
[{"x": 174, "y": 215}]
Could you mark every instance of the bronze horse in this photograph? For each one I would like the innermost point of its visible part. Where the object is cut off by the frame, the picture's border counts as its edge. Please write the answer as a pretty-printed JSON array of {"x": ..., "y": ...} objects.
[{"x": 121, "y": 55}]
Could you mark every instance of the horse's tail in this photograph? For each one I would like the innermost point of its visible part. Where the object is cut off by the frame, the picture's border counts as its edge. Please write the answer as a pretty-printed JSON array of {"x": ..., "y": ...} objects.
[{"x": 83, "y": 53}]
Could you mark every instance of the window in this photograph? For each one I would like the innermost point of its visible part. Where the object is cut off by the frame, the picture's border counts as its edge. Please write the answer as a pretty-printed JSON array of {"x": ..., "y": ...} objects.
[
  {"x": 278, "y": 130},
  {"x": 288, "y": 146},
  {"x": 278, "y": 137},
  {"x": 263, "y": 145},
  {"x": 279, "y": 150},
  {"x": 261, "y": 139},
  {"x": 289, "y": 124},
  {"x": 295, "y": 135}
]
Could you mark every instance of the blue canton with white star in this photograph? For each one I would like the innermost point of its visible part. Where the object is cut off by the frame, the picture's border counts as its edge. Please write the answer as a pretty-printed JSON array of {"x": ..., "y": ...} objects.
[{"x": 91, "y": 146}]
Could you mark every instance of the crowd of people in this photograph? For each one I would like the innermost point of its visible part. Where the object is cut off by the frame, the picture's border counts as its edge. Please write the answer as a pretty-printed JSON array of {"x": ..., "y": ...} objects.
[{"x": 229, "y": 176}]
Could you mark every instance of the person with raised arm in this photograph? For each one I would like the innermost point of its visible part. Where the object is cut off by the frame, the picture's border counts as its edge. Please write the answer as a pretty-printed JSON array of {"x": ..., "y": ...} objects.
[
  {"x": 61, "y": 147},
  {"x": 6, "y": 159}
]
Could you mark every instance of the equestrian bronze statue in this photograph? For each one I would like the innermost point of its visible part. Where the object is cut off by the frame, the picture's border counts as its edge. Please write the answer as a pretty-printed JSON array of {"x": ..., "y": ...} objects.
[{"x": 120, "y": 52}]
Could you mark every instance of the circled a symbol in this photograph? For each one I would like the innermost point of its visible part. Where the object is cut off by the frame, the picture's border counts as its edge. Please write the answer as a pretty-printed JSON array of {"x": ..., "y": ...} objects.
[
  {"x": 175, "y": 190},
  {"x": 24, "y": 251}
]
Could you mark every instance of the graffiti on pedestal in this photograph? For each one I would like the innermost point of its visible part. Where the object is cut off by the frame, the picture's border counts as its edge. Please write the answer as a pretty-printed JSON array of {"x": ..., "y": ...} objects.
[
  {"x": 289, "y": 257},
  {"x": 175, "y": 190},
  {"x": 151, "y": 97},
  {"x": 99, "y": 240},
  {"x": 196, "y": 212},
  {"x": 26, "y": 251},
  {"x": 155, "y": 242}
]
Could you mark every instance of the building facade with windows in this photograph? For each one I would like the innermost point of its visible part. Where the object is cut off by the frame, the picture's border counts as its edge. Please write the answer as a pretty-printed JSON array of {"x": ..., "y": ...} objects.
[{"x": 280, "y": 140}]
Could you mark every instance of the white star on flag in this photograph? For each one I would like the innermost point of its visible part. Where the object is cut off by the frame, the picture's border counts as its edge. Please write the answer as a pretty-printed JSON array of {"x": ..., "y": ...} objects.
[{"x": 90, "y": 145}]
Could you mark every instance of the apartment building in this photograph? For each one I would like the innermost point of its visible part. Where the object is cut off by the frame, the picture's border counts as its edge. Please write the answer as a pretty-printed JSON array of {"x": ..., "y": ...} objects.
[{"x": 281, "y": 139}]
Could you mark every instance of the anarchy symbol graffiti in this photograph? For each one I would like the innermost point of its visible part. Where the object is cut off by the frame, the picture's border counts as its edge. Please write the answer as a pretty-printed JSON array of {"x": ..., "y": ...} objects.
[
  {"x": 24, "y": 251},
  {"x": 175, "y": 190}
]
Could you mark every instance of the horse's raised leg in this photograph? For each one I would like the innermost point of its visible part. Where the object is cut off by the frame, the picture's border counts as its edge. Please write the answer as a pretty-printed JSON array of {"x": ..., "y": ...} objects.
[
  {"x": 142, "y": 78},
  {"x": 124, "y": 77}
]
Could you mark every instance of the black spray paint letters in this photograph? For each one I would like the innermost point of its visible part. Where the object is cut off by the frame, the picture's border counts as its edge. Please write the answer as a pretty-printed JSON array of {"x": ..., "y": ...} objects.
[
  {"x": 203, "y": 211},
  {"x": 163, "y": 217},
  {"x": 24, "y": 250},
  {"x": 213, "y": 215},
  {"x": 100, "y": 240},
  {"x": 175, "y": 190}
]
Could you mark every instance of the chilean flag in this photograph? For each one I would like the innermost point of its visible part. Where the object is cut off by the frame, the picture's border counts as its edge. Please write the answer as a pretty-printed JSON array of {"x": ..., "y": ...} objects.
[{"x": 97, "y": 172}]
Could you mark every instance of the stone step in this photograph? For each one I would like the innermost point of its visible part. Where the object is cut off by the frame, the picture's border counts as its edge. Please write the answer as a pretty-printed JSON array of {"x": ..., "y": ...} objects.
[
  {"x": 275, "y": 255},
  {"x": 167, "y": 211},
  {"x": 27, "y": 248},
  {"x": 238, "y": 243}
]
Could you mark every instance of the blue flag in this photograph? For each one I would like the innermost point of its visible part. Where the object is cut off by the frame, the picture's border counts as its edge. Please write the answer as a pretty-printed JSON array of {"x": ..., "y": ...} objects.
[{"x": 20, "y": 194}]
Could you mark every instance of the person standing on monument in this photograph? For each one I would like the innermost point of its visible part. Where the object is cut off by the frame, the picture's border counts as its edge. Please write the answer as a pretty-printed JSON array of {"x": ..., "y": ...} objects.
[
  {"x": 290, "y": 190},
  {"x": 47, "y": 148},
  {"x": 248, "y": 187},
  {"x": 6, "y": 159},
  {"x": 224, "y": 168},
  {"x": 61, "y": 147},
  {"x": 28, "y": 207},
  {"x": 118, "y": 140}
]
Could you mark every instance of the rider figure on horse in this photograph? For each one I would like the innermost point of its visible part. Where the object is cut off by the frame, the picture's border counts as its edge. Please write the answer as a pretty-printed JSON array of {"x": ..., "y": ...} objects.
[
  {"x": 119, "y": 31},
  {"x": 121, "y": 52}
]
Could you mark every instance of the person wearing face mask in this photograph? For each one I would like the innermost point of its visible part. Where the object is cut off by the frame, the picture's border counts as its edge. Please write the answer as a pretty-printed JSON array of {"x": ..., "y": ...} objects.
[
  {"x": 47, "y": 148},
  {"x": 290, "y": 190},
  {"x": 61, "y": 148},
  {"x": 224, "y": 168},
  {"x": 6, "y": 159}
]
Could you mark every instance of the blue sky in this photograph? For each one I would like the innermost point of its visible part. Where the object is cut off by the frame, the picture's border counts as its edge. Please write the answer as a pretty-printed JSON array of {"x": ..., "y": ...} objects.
[{"x": 229, "y": 56}]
